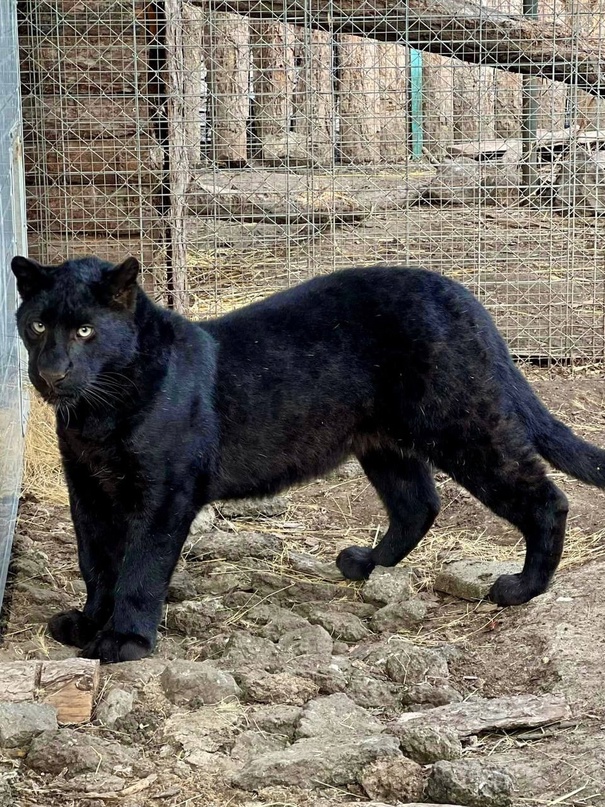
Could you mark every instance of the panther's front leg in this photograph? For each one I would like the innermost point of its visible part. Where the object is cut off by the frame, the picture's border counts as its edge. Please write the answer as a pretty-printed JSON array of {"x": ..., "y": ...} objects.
[
  {"x": 154, "y": 538},
  {"x": 99, "y": 539}
]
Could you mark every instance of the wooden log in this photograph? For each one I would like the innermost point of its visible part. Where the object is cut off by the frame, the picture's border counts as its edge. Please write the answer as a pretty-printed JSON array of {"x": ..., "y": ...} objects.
[
  {"x": 18, "y": 681},
  {"x": 459, "y": 28},
  {"x": 508, "y": 101},
  {"x": 179, "y": 171},
  {"x": 394, "y": 102},
  {"x": 227, "y": 43},
  {"x": 56, "y": 248},
  {"x": 108, "y": 161},
  {"x": 473, "y": 102},
  {"x": 506, "y": 713},
  {"x": 194, "y": 21},
  {"x": 313, "y": 136},
  {"x": 100, "y": 60},
  {"x": 359, "y": 100},
  {"x": 437, "y": 103},
  {"x": 55, "y": 119},
  {"x": 552, "y": 96},
  {"x": 70, "y": 686},
  {"x": 91, "y": 209},
  {"x": 274, "y": 78}
]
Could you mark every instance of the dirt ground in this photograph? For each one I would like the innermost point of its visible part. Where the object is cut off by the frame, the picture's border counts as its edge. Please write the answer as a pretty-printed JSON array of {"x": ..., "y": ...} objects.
[{"x": 554, "y": 644}]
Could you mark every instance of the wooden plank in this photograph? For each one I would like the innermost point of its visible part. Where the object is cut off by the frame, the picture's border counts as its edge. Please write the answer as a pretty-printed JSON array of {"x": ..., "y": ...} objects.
[
  {"x": 70, "y": 686},
  {"x": 227, "y": 44},
  {"x": 359, "y": 99},
  {"x": 274, "y": 78},
  {"x": 460, "y": 28}
]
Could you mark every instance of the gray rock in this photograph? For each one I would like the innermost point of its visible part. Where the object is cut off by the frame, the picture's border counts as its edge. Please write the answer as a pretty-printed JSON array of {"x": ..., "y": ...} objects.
[
  {"x": 330, "y": 676},
  {"x": 21, "y": 722},
  {"x": 7, "y": 797},
  {"x": 371, "y": 690},
  {"x": 76, "y": 752},
  {"x": 472, "y": 579},
  {"x": 339, "y": 625},
  {"x": 285, "y": 590},
  {"x": 471, "y": 782},
  {"x": 399, "y": 615},
  {"x": 182, "y": 587},
  {"x": 252, "y": 744},
  {"x": 580, "y": 184},
  {"x": 233, "y": 546},
  {"x": 388, "y": 585},
  {"x": 272, "y": 719},
  {"x": 204, "y": 522},
  {"x": 351, "y": 469},
  {"x": 427, "y": 744},
  {"x": 42, "y": 602},
  {"x": 338, "y": 716},
  {"x": 362, "y": 610},
  {"x": 277, "y": 688},
  {"x": 205, "y": 731},
  {"x": 282, "y": 621},
  {"x": 269, "y": 507},
  {"x": 311, "y": 565},
  {"x": 116, "y": 704},
  {"x": 312, "y": 641},
  {"x": 316, "y": 762},
  {"x": 410, "y": 664},
  {"x": 244, "y": 650},
  {"x": 194, "y": 617},
  {"x": 222, "y": 577},
  {"x": 393, "y": 780},
  {"x": 198, "y": 681},
  {"x": 429, "y": 694},
  {"x": 456, "y": 182},
  {"x": 94, "y": 783}
]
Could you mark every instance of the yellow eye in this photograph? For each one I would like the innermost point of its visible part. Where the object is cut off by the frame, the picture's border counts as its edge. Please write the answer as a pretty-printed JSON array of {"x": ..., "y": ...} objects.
[
  {"x": 38, "y": 327},
  {"x": 85, "y": 331}
]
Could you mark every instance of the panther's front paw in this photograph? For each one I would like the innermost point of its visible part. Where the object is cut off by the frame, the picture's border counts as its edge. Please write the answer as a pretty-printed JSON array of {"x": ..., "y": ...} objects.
[
  {"x": 110, "y": 647},
  {"x": 356, "y": 562},
  {"x": 72, "y": 628}
]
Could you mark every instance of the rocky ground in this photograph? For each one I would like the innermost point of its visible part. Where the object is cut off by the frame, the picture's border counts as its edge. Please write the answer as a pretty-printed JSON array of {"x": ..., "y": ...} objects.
[{"x": 277, "y": 683}]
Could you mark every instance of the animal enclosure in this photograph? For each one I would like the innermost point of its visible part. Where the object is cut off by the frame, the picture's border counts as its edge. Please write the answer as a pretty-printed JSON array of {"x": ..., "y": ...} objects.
[
  {"x": 239, "y": 147},
  {"x": 12, "y": 239}
]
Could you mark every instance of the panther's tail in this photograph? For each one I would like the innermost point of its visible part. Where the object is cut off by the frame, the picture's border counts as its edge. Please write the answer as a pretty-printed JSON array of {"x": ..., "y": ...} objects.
[{"x": 557, "y": 443}]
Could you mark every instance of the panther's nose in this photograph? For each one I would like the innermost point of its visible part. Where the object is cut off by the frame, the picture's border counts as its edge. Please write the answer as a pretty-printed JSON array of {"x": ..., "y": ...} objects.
[{"x": 53, "y": 377}]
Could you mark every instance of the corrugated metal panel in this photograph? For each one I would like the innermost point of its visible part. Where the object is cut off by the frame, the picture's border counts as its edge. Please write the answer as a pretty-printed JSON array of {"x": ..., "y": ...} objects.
[{"x": 12, "y": 241}]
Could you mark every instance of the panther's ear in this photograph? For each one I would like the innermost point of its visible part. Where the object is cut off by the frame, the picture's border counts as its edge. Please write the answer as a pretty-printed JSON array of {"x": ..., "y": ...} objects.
[
  {"x": 121, "y": 282},
  {"x": 31, "y": 276}
]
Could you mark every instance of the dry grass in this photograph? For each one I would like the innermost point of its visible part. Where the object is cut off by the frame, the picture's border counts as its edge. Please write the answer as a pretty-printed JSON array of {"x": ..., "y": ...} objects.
[{"x": 43, "y": 474}]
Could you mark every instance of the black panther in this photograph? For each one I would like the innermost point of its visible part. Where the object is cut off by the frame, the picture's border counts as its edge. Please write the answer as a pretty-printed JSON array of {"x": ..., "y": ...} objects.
[{"x": 158, "y": 415}]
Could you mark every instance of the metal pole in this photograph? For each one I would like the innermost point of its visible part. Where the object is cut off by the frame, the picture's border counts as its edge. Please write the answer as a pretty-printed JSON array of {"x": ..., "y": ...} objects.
[
  {"x": 529, "y": 123},
  {"x": 416, "y": 102}
]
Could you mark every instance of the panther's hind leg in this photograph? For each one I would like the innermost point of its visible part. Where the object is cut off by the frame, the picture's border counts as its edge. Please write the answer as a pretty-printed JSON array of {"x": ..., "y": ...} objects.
[{"x": 406, "y": 487}]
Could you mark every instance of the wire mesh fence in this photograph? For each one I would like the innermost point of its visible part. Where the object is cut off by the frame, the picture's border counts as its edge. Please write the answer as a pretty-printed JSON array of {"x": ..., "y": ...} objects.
[
  {"x": 241, "y": 146},
  {"x": 12, "y": 240}
]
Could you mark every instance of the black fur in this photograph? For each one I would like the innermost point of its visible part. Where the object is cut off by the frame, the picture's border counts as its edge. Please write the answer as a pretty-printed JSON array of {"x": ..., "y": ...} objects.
[{"x": 156, "y": 416}]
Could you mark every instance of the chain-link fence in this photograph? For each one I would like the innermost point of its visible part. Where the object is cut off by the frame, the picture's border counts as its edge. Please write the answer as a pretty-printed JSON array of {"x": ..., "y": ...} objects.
[
  {"x": 12, "y": 240},
  {"x": 240, "y": 146}
]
